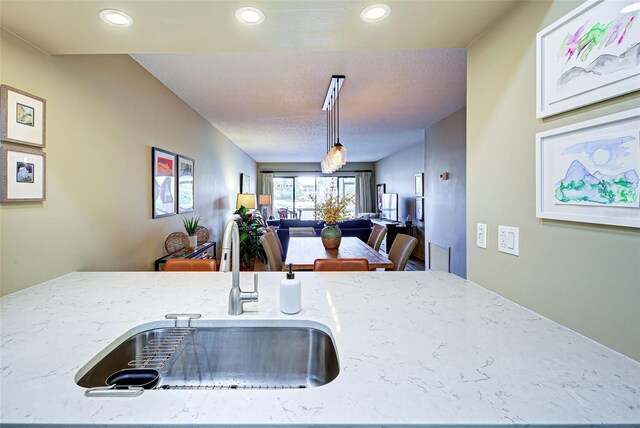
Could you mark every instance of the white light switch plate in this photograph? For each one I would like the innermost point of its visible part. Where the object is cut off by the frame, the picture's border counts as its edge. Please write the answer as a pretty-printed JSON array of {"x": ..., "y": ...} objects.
[
  {"x": 509, "y": 240},
  {"x": 481, "y": 235}
]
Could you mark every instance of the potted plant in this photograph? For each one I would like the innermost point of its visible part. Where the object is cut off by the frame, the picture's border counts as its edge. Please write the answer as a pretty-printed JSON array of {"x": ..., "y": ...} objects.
[
  {"x": 250, "y": 229},
  {"x": 190, "y": 226},
  {"x": 332, "y": 209}
]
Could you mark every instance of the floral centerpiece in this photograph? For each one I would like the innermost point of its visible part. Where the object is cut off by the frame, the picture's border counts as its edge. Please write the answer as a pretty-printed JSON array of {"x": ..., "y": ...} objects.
[{"x": 332, "y": 208}]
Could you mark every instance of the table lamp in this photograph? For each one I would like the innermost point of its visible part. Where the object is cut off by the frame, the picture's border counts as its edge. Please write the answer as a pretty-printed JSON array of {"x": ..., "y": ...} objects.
[{"x": 265, "y": 201}]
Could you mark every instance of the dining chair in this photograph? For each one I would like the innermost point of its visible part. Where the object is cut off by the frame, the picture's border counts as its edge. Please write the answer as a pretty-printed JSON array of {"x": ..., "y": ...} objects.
[
  {"x": 270, "y": 245},
  {"x": 377, "y": 235},
  {"x": 439, "y": 258},
  {"x": 401, "y": 250},
  {"x": 272, "y": 229},
  {"x": 302, "y": 232},
  {"x": 335, "y": 265},
  {"x": 193, "y": 265}
]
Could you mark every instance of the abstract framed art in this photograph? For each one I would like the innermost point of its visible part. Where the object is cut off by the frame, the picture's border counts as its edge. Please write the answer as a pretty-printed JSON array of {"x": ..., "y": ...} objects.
[
  {"x": 589, "y": 172},
  {"x": 380, "y": 190},
  {"x": 163, "y": 182},
  {"x": 245, "y": 183},
  {"x": 589, "y": 55},
  {"x": 23, "y": 175},
  {"x": 23, "y": 117},
  {"x": 186, "y": 184}
]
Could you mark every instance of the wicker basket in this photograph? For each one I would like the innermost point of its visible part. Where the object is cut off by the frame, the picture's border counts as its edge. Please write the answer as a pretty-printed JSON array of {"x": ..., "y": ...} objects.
[
  {"x": 176, "y": 241},
  {"x": 203, "y": 234}
]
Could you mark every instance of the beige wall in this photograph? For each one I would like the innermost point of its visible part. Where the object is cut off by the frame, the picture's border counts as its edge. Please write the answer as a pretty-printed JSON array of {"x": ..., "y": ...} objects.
[
  {"x": 583, "y": 276},
  {"x": 104, "y": 113}
]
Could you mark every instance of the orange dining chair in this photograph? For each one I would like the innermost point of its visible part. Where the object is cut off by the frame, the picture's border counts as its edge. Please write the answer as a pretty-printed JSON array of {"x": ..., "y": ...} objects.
[
  {"x": 194, "y": 265},
  {"x": 336, "y": 265}
]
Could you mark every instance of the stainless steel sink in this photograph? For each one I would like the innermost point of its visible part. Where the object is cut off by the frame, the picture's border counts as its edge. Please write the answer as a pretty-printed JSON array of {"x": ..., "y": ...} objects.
[{"x": 225, "y": 356}]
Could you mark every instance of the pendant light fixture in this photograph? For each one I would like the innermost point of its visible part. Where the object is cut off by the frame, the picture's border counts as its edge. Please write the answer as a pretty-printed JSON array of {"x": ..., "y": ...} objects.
[{"x": 336, "y": 156}]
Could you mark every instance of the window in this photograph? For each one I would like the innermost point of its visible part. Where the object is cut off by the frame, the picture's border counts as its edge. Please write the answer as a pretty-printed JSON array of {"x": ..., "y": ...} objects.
[{"x": 293, "y": 196}]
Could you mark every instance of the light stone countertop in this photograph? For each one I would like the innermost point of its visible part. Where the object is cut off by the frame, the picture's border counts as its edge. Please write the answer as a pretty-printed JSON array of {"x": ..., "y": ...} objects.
[{"x": 415, "y": 348}]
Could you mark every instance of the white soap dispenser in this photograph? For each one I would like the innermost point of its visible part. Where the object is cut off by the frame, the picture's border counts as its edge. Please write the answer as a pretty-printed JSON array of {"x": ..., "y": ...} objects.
[{"x": 290, "y": 293}]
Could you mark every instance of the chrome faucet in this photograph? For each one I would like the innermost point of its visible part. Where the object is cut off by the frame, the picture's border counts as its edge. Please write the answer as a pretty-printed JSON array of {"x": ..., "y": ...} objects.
[{"x": 231, "y": 249}]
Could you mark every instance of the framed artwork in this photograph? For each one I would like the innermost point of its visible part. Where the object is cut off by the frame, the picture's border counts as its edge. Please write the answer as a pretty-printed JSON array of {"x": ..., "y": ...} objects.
[
  {"x": 419, "y": 212},
  {"x": 245, "y": 183},
  {"x": 380, "y": 190},
  {"x": 417, "y": 184},
  {"x": 588, "y": 172},
  {"x": 589, "y": 55},
  {"x": 163, "y": 182},
  {"x": 23, "y": 175},
  {"x": 23, "y": 117},
  {"x": 186, "y": 184}
]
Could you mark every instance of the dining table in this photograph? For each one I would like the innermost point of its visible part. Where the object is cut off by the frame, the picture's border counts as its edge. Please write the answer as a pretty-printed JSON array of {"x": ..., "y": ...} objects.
[{"x": 303, "y": 251}]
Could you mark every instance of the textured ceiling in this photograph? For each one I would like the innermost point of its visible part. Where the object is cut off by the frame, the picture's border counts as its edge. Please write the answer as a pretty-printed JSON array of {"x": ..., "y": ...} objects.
[
  {"x": 188, "y": 26},
  {"x": 270, "y": 104},
  {"x": 263, "y": 86}
]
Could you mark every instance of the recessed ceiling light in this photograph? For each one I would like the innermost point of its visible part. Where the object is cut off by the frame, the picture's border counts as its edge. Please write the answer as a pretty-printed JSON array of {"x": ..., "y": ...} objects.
[
  {"x": 375, "y": 12},
  {"x": 631, "y": 8},
  {"x": 116, "y": 18},
  {"x": 250, "y": 15}
]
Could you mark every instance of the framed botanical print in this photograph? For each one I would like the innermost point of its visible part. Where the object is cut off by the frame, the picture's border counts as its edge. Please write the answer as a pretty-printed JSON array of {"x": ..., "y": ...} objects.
[
  {"x": 163, "y": 182},
  {"x": 186, "y": 184},
  {"x": 380, "y": 190},
  {"x": 589, "y": 55},
  {"x": 590, "y": 171},
  {"x": 23, "y": 175},
  {"x": 23, "y": 117},
  {"x": 245, "y": 183}
]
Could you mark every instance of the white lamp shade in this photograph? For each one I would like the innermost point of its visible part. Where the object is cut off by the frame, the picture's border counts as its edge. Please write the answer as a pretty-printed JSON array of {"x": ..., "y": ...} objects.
[{"x": 248, "y": 200}]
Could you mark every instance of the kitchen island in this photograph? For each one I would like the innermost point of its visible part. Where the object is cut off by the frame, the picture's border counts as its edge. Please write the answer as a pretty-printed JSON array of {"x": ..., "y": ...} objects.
[{"x": 414, "y": 348}]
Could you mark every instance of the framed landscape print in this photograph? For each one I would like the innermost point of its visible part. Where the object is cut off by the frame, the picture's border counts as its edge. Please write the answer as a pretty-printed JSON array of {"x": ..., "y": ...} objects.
[
  {"x": 163, "y": 182},
  {"x": 23, "y": 175},
  {"x": 380, "y": 190},
  {"x": 186, "y": 184},
  {"x": 245, "y": 183},
  {"x": 417, "y": 184},
  {"x": 589, "y": 55},
  {"x": 588, "y": 172},
  {"x": 23, "y": 117}
]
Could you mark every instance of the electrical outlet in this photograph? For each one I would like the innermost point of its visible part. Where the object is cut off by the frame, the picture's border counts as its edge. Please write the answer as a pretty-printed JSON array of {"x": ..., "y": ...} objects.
[
  {"x": 481, "y": 235},
  {"x": 509, "y": 240}
]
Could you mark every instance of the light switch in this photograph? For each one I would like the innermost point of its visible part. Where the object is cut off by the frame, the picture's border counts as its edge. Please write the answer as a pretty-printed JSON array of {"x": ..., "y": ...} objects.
[
  {"x": 481, "y": 235},
  {"x": 509, "y": 240}
]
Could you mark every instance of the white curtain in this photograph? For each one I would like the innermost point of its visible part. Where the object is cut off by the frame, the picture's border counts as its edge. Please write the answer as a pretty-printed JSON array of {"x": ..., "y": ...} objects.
[
  {"x": 266, "y": 188},
  {"x": 364, "y": 197}
]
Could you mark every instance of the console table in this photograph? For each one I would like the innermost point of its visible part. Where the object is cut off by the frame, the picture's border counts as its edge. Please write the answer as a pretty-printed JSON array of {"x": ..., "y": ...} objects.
[
  {"x": 393, "y": 228},
  {"x": 203, "y": 251}
]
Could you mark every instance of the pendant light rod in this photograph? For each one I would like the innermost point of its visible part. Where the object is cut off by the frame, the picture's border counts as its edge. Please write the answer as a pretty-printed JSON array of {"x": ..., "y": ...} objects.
[{"x": 336, "y": 81}]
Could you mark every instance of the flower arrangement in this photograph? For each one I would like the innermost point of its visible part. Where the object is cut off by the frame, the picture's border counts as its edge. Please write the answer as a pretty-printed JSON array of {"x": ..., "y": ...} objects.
[{"x": 332, "y": 208}]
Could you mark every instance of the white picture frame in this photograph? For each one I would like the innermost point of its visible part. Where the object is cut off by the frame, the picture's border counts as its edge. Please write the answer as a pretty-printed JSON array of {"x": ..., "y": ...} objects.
[
  {"x": 570, "y": 75},
  {"x": 605, "y": 154},
  {"x": 23, "y": 177},
  {"x": 23, "y": 117}
]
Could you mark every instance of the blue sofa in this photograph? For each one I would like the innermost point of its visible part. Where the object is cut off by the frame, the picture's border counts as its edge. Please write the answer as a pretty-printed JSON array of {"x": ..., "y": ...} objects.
[{"x": 359, "y": 228}]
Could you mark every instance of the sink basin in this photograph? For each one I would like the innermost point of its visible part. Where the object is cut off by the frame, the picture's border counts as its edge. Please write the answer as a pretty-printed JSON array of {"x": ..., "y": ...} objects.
[{"x": 224, "y": 356}]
